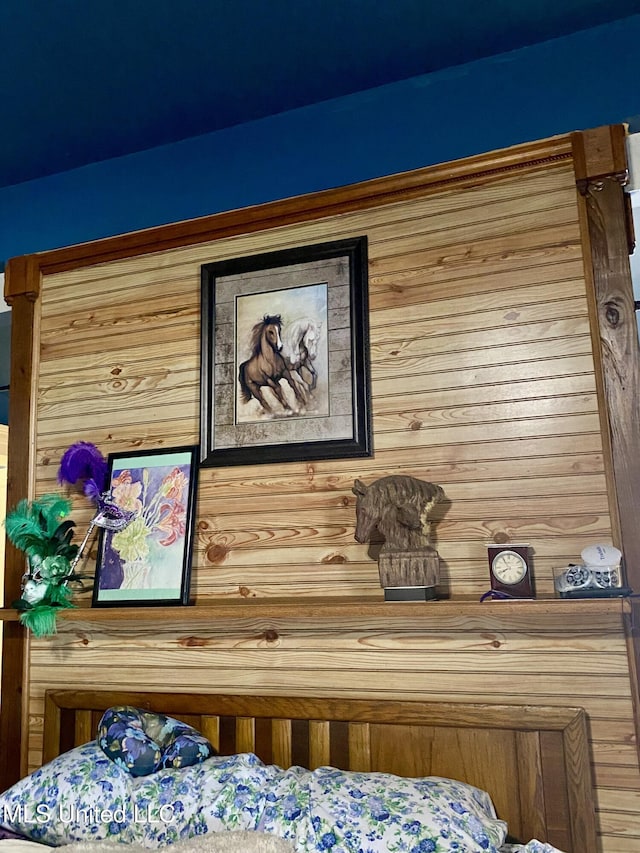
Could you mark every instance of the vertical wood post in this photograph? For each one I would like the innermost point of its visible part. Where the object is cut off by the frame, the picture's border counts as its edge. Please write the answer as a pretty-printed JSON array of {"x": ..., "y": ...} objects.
[
  {"x": 22, "y": 289},
  {"x": 601, "y": 171}
]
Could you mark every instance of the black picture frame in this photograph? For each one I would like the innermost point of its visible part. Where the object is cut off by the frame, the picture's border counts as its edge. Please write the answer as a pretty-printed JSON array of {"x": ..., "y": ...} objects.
[
  {"x": 322, "y": 289},
  {"x": 149, "y": 561}
]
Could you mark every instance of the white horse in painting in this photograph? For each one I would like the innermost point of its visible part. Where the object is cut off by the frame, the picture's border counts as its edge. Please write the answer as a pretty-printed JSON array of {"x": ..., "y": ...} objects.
[{"x": 300, "y": 349}]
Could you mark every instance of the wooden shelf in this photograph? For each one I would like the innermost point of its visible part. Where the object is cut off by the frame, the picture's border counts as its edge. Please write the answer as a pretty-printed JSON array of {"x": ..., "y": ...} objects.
[{"x": 559, "y": 614}]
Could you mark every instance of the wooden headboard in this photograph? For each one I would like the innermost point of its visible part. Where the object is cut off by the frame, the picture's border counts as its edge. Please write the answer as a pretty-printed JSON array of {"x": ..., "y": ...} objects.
[{"x": 532, "y": 760}]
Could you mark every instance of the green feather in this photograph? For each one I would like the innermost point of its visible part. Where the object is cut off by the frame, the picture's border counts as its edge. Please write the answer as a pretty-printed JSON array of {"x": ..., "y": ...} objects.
[
  {"x": 41, "y": 528},
  {"x": 60, "y": 595},
  {"x": 23, "y": 528},
  {"x": 41, "y": 620},
  {"x": 61, "y": 540},
  {"x": 54, "y": 510}
]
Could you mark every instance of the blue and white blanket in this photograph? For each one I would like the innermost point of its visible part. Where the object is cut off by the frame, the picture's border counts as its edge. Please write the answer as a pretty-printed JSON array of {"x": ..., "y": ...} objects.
[{"x": 82, "y": 795}]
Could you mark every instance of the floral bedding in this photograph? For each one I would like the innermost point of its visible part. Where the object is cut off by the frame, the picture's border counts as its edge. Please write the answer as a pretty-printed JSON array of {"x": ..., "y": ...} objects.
[{"x": 83, "y": 795}]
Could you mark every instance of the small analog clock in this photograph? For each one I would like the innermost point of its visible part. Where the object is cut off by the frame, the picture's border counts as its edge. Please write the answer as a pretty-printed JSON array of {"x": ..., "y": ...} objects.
[{"x": 510, "y": 570}]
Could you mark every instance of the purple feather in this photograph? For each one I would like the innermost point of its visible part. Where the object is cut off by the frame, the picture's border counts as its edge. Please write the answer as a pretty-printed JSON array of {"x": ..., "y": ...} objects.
[
  {"x": 92, "y": 489},
  {"x": 83, "y": 461}
]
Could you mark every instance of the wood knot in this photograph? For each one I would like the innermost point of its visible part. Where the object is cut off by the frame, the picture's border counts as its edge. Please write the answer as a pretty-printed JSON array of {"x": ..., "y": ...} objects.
[
  {"x": 415, "y": 425},
  {"x": 271, "y": 636},
  {"x": 612, "y": 314},
  {"x": 217, "y": 554},
  {"x": 193, "y": 642},
  {"x": 333, "y": 558},
  {"x": 494, "y": 642},
  {"x": 244, "y": 591},
  {"x": 116, "y": 371}
]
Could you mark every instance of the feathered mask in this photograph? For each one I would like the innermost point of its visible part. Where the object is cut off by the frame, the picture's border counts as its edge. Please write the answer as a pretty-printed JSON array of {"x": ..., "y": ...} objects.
[{"x": 42, "y": 529}]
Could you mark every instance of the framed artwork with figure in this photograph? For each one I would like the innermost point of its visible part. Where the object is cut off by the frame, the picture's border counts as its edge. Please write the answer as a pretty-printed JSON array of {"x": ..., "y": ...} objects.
[
  {"x": 285, "y": 356},
  {"x": 149, "y": 560}
]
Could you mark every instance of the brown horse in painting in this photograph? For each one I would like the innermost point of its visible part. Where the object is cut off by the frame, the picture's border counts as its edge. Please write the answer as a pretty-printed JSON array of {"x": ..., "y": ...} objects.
[{"x": 266, "y": 366}]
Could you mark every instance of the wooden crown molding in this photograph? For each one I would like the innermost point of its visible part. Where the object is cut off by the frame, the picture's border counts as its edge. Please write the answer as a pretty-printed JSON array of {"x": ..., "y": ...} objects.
[{"x": 312, "y": 206}]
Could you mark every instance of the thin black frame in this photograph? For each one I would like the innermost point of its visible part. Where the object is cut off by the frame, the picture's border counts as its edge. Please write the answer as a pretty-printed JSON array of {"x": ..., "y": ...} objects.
[
  {"x": 190, "y": 453},
  {"x": 360, "y": 444}
]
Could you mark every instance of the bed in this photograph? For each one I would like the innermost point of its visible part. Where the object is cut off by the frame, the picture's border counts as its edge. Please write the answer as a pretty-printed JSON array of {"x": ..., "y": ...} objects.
[{"x": 533, "y": 761}]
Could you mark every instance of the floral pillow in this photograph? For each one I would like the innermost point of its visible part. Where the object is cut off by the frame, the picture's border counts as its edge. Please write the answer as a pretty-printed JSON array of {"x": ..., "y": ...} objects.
[
  {"x": 142, "y": 743},
  {"x": 223, "y": 793},
  {"x": 81, "y": 794},
  {"x": 329, "y": 809}
]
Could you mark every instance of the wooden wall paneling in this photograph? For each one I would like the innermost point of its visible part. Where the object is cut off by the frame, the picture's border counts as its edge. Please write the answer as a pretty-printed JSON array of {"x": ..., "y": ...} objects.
[
  {"x": 22, "y": 289},
  {"x": 440, "y": 417}
]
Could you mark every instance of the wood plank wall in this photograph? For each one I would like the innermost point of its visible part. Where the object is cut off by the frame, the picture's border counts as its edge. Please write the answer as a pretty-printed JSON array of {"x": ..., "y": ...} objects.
[{"x": 482, "y": 381}]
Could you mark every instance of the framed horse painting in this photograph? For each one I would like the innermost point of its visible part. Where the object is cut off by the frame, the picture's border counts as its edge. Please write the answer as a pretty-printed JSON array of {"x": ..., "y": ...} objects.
[{"x": 285, "y": 356}]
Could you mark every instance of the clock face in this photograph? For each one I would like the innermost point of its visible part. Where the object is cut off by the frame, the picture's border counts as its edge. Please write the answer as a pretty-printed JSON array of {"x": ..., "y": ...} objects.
[{"x": 508, "y": 567}]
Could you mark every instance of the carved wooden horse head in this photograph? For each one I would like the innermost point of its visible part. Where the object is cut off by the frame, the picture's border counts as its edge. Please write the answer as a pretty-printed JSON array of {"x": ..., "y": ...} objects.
[{"x": 399, "y": 507}]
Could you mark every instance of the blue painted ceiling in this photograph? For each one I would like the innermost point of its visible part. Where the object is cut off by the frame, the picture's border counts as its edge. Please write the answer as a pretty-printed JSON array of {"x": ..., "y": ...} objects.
[{"x": 87, "y": 80}]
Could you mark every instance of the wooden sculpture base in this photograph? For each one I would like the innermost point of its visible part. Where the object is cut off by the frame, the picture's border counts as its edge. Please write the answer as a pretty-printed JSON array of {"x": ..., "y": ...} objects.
[
  {"x": 409, "y": 575},
  {"x": 410, "y": 593}
]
